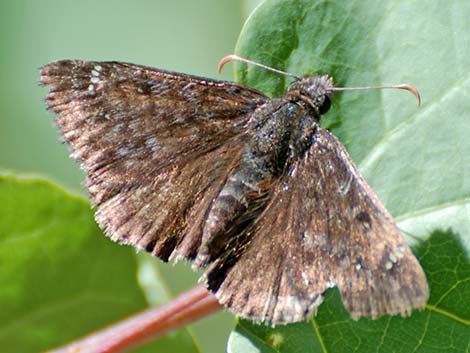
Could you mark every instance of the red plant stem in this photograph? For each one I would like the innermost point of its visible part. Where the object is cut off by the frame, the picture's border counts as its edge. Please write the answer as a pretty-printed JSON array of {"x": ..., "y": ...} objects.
[{"x": 146, "y": 325}]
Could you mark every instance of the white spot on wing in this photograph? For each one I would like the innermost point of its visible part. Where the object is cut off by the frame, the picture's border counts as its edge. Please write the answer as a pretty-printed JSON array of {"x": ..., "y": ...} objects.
[
  {"x": 293, "y": 171},
  {"x": 308, "y": 239},
  {"x": 400, "y": 251},
  {"x": 295, "y": 306},
  {"x": 330, "y": 284},
  {"x": 123, "y": 151}
]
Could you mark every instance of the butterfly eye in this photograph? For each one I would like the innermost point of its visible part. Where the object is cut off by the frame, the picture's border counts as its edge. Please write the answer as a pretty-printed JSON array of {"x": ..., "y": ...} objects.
[{"x": 325, "y": 105}]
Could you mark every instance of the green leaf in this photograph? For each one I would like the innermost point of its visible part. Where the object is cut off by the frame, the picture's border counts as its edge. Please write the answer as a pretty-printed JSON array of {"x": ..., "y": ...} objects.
[
  {"x": 416, "y": 159},
  {"x": 60, "y": 277}
]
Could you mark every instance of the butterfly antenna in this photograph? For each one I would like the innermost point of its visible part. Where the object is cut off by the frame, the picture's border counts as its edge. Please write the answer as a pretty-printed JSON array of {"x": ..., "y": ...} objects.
[
  {"x": 233, "y": 57},
  {"x": 404, "y": 86}
]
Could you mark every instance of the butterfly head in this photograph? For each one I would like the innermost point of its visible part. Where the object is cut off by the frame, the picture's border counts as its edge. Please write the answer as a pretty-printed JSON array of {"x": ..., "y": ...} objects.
[{"x": 313, "y": 90}]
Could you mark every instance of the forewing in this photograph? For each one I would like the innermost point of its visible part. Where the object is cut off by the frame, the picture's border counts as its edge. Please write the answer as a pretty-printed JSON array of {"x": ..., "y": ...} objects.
[
  {"x": 323, "y": 227},
  {"x": 155, "y": 145}
]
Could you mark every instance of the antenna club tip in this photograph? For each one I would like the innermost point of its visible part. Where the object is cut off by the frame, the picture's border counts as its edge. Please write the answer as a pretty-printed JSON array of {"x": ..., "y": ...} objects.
[
  {"x": 226, "y": 59},
  {"x": 413, "y": 90}
]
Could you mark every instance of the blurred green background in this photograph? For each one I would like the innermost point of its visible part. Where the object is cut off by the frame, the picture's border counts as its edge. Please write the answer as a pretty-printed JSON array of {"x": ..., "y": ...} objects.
[{"x": 185, "y": 36}]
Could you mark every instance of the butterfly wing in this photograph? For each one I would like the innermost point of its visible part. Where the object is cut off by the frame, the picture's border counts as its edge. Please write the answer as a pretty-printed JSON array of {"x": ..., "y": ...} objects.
[
  {"x": 156, "y": 145},
  {"x": 322, "y": 227}
]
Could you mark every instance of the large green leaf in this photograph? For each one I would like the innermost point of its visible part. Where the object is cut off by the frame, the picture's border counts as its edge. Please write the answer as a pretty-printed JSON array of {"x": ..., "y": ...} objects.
[
  {"x": 416, "y": 159},
  {"x": 60, "y": 277}
]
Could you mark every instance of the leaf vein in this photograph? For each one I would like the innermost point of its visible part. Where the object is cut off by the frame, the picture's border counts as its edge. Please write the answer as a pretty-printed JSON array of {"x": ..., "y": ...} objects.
[
  {"x": 319, "y": 336},
  {"x": 436, "y": 208},
  {"x": 376, "y": 151},
  {"x": 447, "y": 314}
]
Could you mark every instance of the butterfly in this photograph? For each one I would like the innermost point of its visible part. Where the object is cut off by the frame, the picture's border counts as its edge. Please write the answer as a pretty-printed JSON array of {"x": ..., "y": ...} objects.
[{"x": 250, "y": 188}]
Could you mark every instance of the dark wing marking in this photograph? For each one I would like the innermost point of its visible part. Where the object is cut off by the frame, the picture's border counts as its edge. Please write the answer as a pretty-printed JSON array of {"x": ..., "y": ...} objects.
[
  {"x": 155, "y": 145},
  {"x": 323, "y": 227}
]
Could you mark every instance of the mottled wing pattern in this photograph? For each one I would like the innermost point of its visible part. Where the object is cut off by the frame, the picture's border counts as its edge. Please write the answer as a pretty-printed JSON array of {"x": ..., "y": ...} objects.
[
  {"x": 323, "y": 227},
  {"x": 156, "y": 145}
]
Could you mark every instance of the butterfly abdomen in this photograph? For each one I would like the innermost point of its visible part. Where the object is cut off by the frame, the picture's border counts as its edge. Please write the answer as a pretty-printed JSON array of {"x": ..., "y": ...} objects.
[{"x": 236, "y": 205}]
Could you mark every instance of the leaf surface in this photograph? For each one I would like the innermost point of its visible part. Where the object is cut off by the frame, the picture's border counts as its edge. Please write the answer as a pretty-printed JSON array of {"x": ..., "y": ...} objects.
[{"x": 61, "y": 278}]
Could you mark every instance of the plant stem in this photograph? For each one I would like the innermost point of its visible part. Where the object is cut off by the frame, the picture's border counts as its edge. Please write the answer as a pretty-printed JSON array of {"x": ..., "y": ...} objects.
[{"x": 146, "y": 325}]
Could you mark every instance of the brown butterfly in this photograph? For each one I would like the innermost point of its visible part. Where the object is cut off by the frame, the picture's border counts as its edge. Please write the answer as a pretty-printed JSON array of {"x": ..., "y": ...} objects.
[{"x": 249, "y": 187}]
